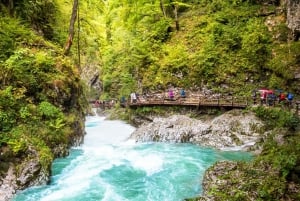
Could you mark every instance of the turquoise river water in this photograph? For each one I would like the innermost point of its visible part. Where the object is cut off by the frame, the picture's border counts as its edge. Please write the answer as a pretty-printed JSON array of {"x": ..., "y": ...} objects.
[{"x": 108, "y": 167}]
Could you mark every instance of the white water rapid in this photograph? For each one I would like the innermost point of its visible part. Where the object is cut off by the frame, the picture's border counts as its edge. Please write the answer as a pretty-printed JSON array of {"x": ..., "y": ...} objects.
[{"x": 108, "y": 167}]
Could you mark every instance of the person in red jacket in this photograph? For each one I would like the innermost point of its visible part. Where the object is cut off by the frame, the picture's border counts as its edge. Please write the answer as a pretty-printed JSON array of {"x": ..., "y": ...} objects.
[{"x": 281, "y": 97}]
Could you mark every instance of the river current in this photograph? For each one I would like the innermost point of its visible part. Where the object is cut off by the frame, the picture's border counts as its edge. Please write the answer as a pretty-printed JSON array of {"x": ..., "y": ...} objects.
[{"x": 109, "y": 167}]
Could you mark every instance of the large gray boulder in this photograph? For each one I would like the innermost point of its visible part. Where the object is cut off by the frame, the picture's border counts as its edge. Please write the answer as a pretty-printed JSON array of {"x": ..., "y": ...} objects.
[{"x": 233, "y": 130}]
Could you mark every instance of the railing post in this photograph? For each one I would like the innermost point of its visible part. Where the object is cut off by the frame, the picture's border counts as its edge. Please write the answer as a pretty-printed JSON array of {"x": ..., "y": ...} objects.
[
  {"x": 199, "y": 100},
  {"x": 199, "y": 103},
  {"x": 297, "y": 107}
]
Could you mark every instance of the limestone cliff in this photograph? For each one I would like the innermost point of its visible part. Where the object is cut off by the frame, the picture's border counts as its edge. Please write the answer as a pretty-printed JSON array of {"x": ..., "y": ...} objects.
[
  {"x": 293, "y": 17},
  {"x": 232, "y": 130}
]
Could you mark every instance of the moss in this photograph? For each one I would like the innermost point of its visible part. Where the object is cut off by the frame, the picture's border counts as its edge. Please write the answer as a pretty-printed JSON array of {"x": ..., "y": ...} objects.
[
  {"x": 41, "y": 98},
  {"x": 192, "y": 199},
  {"x": 269, "y": 176},
  {"x": 275, "y": 117}
]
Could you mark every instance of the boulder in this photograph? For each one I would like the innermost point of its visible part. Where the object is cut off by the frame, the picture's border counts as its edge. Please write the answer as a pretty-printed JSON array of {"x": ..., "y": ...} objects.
[{"x": 233, "y": 130}]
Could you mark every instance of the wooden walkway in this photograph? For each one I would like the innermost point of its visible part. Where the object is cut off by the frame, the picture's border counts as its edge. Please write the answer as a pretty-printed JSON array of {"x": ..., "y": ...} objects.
[
  {"x": 195, "y": 100},
  {"x": 221, "y": 102}
]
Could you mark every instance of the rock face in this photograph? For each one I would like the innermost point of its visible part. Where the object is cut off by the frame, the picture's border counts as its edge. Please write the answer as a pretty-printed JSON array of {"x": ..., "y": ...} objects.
[
  {"x": 232, "y": 130},
  {"x": 26, "y": 169},
  {"x": 293, "y": 17},
  {"x": 21, "y": 174},
  {"x": 90, "y": 75}
]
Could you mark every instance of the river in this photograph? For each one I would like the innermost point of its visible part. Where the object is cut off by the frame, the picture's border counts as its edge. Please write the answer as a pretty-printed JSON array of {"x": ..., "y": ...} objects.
[{"x": 108, "y": 167}]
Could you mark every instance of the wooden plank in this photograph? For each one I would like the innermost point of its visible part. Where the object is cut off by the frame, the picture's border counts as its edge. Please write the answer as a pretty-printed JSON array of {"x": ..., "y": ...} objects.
[{"x": 193, "y": 101}]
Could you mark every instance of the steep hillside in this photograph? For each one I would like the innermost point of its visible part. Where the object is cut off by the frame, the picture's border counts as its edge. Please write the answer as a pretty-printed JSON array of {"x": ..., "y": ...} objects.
[
  {"x": 226, "y": 46},
  {"x": 42, "y": 103}
]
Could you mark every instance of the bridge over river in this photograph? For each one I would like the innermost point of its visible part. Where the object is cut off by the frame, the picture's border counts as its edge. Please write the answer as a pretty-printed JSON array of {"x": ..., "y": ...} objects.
[
  {"x": 197, "y": 101},
  {"x": 229, "y": 102}
]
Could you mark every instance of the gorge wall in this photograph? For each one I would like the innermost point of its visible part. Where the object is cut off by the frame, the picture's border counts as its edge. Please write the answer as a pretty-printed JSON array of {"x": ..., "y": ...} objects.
[{"x": 293, "y": 17}]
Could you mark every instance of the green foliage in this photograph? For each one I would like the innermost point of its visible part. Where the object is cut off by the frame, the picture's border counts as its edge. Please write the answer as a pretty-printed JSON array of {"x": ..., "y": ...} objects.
[
  {"x": 12, "y": 33},
  {"x": 277, "y": 117},
  {"x": 17, "y": 140},
  {"x": 137, "y": 48},
  {"x": 7, "y": 104},
  {"x": 39, "y": 87},
  {"x": 57, "y": 124},
  {"x": 220, "y": 43},
  {"x": 45, "y": 154},
  {"x": 225, "y": 44},
  {"x": 149, "y": 110},
  {"x": 283, "y": 158},
  {"x": 25, "y": 113},
  {"x": 17, "y": 145},
  {"x": 28, "y": 69},
  {"x": 283, "y": 65},
  {"x": 39, "y": 14},
  {"x": 49, "y": 111}
]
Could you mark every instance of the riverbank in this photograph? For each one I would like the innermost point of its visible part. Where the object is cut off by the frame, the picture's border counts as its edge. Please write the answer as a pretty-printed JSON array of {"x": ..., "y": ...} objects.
[
  {"x": 272, "y": 134},
  {"x": 233, "y": 130},
  {"x": 271, "y": 175}
]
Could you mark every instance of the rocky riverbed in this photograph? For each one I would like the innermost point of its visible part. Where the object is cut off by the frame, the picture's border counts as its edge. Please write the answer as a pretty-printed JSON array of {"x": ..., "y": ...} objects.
[{"x": 233, "y": 130}]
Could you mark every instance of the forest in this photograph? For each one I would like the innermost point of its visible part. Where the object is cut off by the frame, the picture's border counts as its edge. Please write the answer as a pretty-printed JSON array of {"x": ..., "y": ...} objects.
[{"x": 57, "y": 54}]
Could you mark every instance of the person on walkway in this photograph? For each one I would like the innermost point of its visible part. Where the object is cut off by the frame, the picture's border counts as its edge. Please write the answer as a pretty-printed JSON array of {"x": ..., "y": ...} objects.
[
  {"x": 290, "y": 98},
  {"x": 96, "y": 104},
  {"x": 263, "y": 97},
  {"x": 138, "y": 97},
  {"x": 171, "y": 94},
  {"x": 281, "y": 97},
  {"x": 123, "y": 101},
  {"x": 271, "y": 97},
  {"x": 133, "y": 97},
  {"x": 254, "y": 97},
  {"x": 182, "y": 93}
]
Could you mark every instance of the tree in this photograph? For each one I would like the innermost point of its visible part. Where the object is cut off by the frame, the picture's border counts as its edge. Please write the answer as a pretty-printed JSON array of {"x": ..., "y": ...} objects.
[
  {"x": 175, "y": 5},
  {"x": 162, "y": 7},
  {"x": 10, "y": 6},
  {"x": 71, "y": 28}
]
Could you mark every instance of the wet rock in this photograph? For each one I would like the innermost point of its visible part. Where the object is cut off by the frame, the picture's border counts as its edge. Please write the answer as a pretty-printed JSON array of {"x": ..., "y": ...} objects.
[
  {"x": 22, "y": 173},
  {"x": 31, "y": 173},
  {"x": 232, "y": 130},
  {"x": 8, "y": 185}
]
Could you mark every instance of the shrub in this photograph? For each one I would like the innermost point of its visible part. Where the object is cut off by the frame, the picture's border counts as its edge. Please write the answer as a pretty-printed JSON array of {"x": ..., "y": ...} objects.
[
  {"x": 277, "y": 117},
  {"x": 48, "y": 111}
]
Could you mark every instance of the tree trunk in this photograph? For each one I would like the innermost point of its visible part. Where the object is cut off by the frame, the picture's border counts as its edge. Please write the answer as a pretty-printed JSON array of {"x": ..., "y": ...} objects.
[
  {"x": 11, "y": 7},
  {"x": 162, "y": 7},
  {"x": 71, "y": 28},
  {"x": 9, "y": 4},
  {"x": 175, "y": 7}
]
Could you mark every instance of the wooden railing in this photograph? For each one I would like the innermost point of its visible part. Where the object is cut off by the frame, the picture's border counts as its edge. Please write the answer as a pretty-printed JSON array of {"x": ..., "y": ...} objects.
[{"x": 196, "y": 100}]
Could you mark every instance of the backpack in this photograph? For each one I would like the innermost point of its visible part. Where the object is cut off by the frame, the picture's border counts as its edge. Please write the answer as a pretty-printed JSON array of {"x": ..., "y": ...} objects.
[
  {"x": 282, "y": 96},
  {"x": 290, "y": 96}
]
